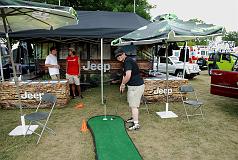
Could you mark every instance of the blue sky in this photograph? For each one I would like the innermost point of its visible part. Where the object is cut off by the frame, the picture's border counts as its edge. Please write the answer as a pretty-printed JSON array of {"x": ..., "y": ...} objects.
[{"x": 218, "y": 12}]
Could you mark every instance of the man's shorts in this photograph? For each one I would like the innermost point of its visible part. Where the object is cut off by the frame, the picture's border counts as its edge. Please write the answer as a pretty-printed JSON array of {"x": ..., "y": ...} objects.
[
  {"x": 134, "y": 95},
  {"x": 73, "y": 79},
  {"x": 55, "y": 77}
]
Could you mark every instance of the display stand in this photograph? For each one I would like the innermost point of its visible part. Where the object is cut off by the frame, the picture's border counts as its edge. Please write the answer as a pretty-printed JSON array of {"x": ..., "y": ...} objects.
[
  {"x": 167, "y": 113},
  {"x": 21, "y": 130}
]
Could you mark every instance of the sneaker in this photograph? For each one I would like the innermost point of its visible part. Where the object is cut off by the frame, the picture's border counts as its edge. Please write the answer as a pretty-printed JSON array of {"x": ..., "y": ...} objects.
[
  {"x": 130, "y": 120},
  {"x": 135, "y": 126}
]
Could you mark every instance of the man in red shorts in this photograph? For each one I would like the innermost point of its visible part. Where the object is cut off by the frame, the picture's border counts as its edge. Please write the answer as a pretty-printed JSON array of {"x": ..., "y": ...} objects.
[{"x": 73, "y": 71}]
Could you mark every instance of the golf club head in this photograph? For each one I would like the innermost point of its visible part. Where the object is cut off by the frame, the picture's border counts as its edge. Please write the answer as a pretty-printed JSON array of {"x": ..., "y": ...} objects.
[
  {"x": 105, "y": 119},
  {"x": 104, "y": 100}
]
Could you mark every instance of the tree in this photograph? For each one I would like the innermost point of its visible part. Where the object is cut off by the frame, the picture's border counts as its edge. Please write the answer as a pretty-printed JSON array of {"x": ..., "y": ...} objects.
[
  {"x": 142, "y": 6},
  {"x": 231, "y": 36}
]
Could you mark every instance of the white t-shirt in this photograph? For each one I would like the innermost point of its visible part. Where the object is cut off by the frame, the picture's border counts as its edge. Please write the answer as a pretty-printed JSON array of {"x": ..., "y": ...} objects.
[{"x": 51, "y": 59}]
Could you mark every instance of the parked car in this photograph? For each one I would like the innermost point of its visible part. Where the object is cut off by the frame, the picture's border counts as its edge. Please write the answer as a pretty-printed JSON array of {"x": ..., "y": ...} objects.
[
  {"x": 202, "y": 63},
  {"x": 175, "y": 67},
  {"x": 224, "y": 83},
  {"x": 222, "y": 61}
]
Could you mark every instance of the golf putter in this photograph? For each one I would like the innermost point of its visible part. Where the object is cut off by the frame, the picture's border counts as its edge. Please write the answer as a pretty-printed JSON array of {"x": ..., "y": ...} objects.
[
  {"x": 105, "y": 109},
  {"x": 118, "y": 104}
]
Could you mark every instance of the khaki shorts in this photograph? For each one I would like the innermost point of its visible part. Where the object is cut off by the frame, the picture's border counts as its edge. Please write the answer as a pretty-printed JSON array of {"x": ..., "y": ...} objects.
[
  {"x": 134, "y": 94},
  {"x": 55, "y": 77},
  {"x": 73, "y": 79}
]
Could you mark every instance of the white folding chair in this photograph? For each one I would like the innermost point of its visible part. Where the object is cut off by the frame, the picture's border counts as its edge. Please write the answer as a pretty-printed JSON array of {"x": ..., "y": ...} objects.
[
  {"x": 192, "y": 106},
  {"x": 42, "y": 117}
]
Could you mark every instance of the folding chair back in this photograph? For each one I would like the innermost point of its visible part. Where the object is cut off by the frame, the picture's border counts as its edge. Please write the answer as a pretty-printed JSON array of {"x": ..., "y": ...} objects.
[
  {"x": 48, "y": 98},
  {"x": 192, "y": 106},
  {"x": 186, "y": 88},
  {"x": 41, "y": 118}
]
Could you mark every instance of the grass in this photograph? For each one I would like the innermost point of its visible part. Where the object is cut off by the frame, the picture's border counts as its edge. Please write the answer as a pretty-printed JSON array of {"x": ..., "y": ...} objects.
[{"x": 212, "y": 138}]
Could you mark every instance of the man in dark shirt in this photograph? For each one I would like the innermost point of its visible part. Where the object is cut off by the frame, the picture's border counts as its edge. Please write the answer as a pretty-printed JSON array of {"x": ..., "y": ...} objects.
[{"x": 135, "y": 84}]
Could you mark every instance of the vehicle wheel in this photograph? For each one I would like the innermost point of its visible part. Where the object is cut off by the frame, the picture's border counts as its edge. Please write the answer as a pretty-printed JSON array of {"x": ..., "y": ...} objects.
[
  {"x": 210, "y": 69},
  {"x": 179, "y": 73}
]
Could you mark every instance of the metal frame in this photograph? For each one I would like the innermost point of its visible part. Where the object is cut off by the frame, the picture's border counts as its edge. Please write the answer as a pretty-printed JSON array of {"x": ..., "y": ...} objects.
[
  {"x": 144, "y": 101},
  {"x": 188, "y": 101},
  {"x": 36, "y": 117}
]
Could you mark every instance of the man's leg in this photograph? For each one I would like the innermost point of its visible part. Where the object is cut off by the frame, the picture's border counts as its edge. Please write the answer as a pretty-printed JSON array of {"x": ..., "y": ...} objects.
[
  {"x": 58, "y": 77},
  {"x": 135, "y": 114},
  {"x": 77, "y": 83},
  {"x": 71, "y": 82},
  {"x": 73, "y": 89},
  {"x": 54, "y": 77},
  {"x": 134, "y": 97},
  {"x": 79, "y": 91}
]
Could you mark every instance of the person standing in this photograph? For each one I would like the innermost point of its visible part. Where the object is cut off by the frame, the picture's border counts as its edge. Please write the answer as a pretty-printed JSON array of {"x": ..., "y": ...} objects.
[
  {"x": 135, "y": 84},
  {"x": 73, "y": 72},
  {"x": 52, "y": 64}
]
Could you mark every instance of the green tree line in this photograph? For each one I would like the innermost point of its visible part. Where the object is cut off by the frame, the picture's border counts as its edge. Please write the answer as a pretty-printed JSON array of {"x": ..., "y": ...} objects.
[{"x": 142, "y": 9}]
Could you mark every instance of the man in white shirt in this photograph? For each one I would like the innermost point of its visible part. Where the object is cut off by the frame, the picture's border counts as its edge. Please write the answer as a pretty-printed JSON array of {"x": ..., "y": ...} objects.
[{"x": 52, "y": 64}]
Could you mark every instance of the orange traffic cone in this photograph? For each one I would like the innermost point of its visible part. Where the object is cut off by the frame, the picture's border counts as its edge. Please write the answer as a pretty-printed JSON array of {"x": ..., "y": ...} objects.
[
  {"x": 79, "y": 105},
  {"x": 84, "y": 127}
]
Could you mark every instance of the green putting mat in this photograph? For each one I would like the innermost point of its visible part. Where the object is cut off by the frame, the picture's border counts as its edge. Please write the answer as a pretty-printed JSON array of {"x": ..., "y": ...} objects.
[{"x": 111, "y": 139}]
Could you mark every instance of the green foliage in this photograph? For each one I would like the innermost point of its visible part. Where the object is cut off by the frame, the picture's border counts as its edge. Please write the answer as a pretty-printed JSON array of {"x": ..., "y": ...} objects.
[
  {"x": 231, "y": 36},
  {"x": 142, "y": 6},
  {"x": 202, "y": 42}
]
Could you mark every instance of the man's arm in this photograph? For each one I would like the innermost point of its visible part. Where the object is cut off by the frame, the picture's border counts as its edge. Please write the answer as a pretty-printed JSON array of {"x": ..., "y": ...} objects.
[
  {"x": 79, "y": 65},
  {"x": 51, "y": 65},
  {"x": 125, "y": 79}
]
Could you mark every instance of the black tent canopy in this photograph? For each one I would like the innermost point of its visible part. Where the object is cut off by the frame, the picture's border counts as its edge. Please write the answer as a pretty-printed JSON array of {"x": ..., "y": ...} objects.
[{"x": 92, "y": 24}]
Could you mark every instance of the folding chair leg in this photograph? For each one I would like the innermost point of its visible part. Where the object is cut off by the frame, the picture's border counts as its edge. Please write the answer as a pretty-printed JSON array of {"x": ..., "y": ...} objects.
[
  {"x": 186, "y": 112},
  {"x": 201, "y": 113},
  {"x": 28, "y": 129},
  {"x": 144, "y": 101},
  {"x": 44, "y": 127},
  {"x": 146, "y": 107},
  {"x": 40, "y": 135},
  {"x": 50, "y": 130}
]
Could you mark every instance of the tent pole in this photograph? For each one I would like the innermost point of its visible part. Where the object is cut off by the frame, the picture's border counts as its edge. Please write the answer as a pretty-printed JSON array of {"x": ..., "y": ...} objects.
[
  {"x": 21, "y": 130},
  {"x": 185, "y": 58},
  {"x": 1, "y": 51},
  {"x": 167, "y": 78},
  {"x": 102, "y": 69},
  {"x": 12, "y": 61},
  {"x": 167, "y": 113}
]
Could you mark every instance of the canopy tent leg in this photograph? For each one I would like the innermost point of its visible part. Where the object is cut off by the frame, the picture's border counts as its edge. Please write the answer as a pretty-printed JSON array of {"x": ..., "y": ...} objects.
[
  {"x": 102, "y": 71},
  {"x": 185, "y": 58},
  {"x": 2, "y": 76},
  {"x": 167, "y": 113}
]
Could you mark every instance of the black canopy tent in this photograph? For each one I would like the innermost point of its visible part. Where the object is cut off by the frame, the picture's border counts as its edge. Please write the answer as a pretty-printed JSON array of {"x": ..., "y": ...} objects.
[{"x": 92, "y": 25}]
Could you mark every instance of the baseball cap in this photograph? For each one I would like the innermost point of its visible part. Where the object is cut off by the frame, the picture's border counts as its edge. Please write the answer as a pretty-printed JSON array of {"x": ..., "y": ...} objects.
[
  {"x": 72, "y": 49},
  {"x": 118, "y": 52}
]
